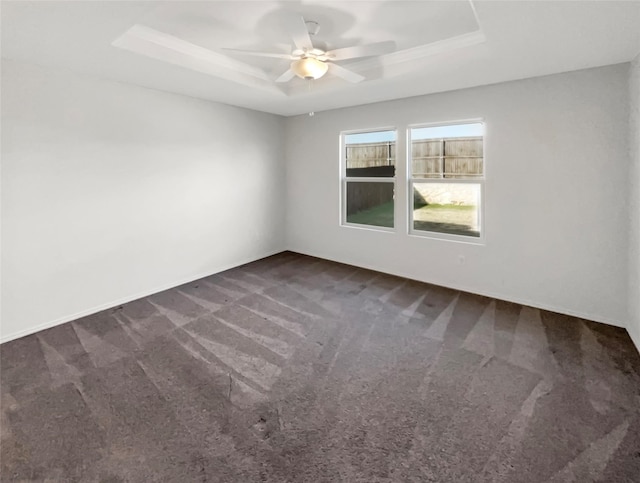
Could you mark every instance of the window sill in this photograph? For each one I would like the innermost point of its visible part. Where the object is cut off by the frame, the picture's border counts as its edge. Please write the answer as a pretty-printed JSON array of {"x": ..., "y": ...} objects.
[
  {"x": 468, "y": 240},
  {"x": 382, "y": 229}
]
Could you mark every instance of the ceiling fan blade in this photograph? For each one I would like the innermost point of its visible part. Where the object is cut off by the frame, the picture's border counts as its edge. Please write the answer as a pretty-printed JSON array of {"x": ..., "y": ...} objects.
[
  {"x": 345, "y": 74},
  {"x": 287, "y": 76},
  {"x": 297, "y": 28},
  {"x": 260, "y": 54},
  {"x": 378, "y": 48}
]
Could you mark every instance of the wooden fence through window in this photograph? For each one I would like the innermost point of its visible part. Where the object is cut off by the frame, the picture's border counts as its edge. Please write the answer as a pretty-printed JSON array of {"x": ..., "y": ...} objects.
[
  {"x": 430, "y": 158},
  {"x": 447, "y": 158}
]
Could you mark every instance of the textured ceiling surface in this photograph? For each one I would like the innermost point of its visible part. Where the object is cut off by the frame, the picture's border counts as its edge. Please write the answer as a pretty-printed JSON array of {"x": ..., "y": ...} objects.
[{"x": 439, "y": 46}]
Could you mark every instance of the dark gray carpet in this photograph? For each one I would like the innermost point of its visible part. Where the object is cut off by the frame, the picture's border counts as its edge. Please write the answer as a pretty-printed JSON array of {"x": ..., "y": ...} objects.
[{"x": 298, "y": 369}]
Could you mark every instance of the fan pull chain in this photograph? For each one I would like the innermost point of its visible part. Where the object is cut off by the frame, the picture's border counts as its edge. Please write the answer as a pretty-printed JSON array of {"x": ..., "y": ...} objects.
[{"x": 309, "y": 82}]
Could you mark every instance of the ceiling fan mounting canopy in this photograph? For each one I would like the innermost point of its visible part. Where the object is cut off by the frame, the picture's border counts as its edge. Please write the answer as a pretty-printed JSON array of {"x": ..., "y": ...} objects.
[{"x": 313, "y": 27}]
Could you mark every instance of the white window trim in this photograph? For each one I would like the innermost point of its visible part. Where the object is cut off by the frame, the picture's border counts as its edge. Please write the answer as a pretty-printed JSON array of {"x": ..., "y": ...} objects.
[
  {"x": 344, "y": 180},
  {"x": 480, "y": 180}
]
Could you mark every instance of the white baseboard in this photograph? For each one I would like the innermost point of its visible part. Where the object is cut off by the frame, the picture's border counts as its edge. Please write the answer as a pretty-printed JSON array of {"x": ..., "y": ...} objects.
[
  {"x": 507, "y": 298},
  {"x": 634, "y": 334},
  {"x": 129, "y": 298}
]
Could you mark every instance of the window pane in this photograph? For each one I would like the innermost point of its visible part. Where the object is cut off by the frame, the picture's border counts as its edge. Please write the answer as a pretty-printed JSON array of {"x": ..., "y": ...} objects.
[
  {"x": 447, "y": 208},
  {"x": 454, "y": 151},
  {"x": 474, "y": 129},
  {"x": 371, "y": 155},
  {"x": 370, "y": 203}
]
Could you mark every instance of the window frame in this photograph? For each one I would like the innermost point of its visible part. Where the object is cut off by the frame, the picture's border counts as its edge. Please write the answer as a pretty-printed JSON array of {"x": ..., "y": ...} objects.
[
  {"x": 344, "y": 180},
  {"x": 477, "y": 180}
]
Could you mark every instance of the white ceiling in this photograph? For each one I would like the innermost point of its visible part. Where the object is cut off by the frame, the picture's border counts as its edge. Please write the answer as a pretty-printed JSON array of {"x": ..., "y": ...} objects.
[{"x": 440, "y": 46}]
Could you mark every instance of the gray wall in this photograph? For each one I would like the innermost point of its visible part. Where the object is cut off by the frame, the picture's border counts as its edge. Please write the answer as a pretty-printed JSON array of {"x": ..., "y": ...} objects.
[
  {"x": 556, "y": 211},
  {"x": 111, "y": 192},
  {"x": 634, "y": 201}
]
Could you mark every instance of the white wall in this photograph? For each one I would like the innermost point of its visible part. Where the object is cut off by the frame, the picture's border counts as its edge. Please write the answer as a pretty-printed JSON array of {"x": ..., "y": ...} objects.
[
  {"x": 634, "y": 202},
  {"x": 111, "y": 192},
  {"x": 556, "y": 213}
]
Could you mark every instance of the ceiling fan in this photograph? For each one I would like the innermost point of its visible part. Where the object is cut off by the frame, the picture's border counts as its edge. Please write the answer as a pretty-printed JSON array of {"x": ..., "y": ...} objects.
[{"x": 312, "y": 62}]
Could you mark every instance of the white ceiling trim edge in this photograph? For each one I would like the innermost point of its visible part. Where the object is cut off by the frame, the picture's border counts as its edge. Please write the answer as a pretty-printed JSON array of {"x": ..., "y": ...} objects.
[
  {"x": 421, "y": 51},
  {"x": 167, "y": 48}
]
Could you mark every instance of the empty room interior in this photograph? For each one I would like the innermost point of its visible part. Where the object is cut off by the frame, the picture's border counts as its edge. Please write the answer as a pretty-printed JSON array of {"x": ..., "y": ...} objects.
[{"x": 320, "y": 241}]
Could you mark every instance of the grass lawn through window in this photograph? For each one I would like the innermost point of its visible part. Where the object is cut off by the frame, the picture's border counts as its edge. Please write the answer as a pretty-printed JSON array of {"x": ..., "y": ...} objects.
[
  {"x": 452, "y": 219},
  {"x": 381, "y": 215}
]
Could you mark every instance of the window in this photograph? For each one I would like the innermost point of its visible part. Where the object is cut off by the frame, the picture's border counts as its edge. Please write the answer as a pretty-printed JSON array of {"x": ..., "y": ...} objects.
[
  {"x": 368, "y": 178},
  {"x": 447, "y": 180}
]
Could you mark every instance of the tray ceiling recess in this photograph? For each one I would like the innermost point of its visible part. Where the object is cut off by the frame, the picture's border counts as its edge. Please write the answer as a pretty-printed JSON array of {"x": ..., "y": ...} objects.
[
  {"x": 289, "y": 45},
  {"x": 191, "y": 48}
]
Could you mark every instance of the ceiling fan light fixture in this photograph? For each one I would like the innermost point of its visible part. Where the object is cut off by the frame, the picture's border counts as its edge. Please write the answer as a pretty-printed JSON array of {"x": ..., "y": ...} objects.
[{"x": 309, "y": 68}]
